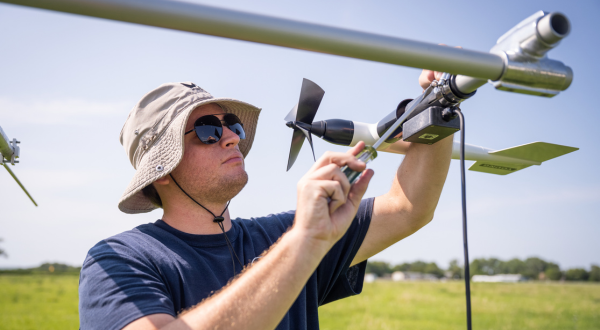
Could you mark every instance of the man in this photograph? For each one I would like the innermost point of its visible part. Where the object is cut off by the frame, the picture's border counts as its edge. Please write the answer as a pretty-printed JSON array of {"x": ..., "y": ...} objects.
[{"x": 197, "y": 269}]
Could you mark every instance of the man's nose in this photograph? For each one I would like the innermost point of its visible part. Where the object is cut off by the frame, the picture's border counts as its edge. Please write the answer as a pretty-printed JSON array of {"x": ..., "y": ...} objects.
[{"x": 229, "y": 138}]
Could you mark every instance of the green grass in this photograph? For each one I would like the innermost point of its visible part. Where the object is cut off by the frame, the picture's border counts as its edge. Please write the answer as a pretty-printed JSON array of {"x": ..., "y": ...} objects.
[
  {"x": 50, "y": 302},
  {"x": 39, "y": 302},
  {"x": 425, "y": 305}
]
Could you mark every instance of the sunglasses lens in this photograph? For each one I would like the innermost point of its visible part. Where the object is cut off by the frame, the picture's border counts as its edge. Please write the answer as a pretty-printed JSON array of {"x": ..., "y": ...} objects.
[
  {"x": 208, "y": 129},
  {"x": 235, "y": 125},
  {"x": 239, "y": 130}
]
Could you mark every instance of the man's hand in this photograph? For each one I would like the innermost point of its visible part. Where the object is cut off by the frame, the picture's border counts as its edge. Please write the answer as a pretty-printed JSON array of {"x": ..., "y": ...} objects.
[
  {"x": 427, "y": 76},
  {"x": 319, "y": 218}
]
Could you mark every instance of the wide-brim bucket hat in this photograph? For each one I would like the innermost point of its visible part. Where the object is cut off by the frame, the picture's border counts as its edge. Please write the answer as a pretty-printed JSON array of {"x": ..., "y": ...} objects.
[{"x": 153, "y": 135}]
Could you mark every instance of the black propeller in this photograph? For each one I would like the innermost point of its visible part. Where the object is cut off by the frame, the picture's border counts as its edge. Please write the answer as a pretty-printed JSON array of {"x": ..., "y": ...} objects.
[{"x": 301, "y": 118}]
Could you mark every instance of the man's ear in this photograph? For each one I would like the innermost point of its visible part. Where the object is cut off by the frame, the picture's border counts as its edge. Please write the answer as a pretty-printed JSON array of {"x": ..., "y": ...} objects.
[{"x": 163, "y": 181}]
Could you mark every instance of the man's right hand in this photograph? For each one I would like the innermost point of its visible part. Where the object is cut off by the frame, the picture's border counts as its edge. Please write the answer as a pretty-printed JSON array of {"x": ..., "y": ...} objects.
[
  {"x": 327, "y": 203},
  {"x": 260, "y": 297}
]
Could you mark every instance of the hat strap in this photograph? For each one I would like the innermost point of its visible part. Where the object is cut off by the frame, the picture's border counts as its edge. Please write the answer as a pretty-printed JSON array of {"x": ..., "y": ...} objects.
[{"x": 219, "y": 220}]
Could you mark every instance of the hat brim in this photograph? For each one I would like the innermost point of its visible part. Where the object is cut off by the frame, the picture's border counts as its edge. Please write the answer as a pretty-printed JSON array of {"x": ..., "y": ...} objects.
[{"x": 166, "y": 153}]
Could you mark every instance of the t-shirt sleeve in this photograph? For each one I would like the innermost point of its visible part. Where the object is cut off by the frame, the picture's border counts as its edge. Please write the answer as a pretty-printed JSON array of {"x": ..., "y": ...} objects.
[
  {"x": 117, "y": 286},
  {"x": 335, "y": 278}
]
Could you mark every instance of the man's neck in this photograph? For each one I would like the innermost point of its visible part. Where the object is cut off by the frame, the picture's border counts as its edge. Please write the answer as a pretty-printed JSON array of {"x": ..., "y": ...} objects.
[{"x": 190, "y": 218}]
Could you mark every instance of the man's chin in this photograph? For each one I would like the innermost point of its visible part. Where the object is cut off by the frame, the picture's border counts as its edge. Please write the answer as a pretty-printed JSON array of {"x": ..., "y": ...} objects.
[{"x": 235, "y": 183}]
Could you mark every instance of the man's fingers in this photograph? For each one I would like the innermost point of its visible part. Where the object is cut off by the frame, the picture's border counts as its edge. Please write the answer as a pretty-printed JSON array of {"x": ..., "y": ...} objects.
[
  {"x": 334, "y": 192},
  {"x": 359, "y": 188},
  {"x": 356, "y": 149},
  {"x": 427, "y": 76},
  {"x": 342, "y": 159},
  {"x": 332, "y": 172}
]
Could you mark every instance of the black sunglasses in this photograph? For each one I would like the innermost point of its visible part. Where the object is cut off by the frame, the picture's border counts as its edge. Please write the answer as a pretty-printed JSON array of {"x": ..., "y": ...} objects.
[{"x": 209, "y": 128}]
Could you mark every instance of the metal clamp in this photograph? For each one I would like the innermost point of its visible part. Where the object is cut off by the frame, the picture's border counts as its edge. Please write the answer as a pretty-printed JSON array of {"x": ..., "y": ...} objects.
[
  {"x": 446, "y": 91},
  {"x": 16, "y": 151}
]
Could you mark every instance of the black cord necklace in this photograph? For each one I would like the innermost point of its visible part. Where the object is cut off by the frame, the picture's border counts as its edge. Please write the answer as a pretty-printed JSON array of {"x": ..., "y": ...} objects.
[{"x": 219, "y": 220}]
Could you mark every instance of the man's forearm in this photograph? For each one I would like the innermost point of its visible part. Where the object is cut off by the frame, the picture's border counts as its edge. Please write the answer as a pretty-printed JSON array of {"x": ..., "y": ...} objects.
[
  {"x": 418, "y": 184},
  {"x": 420, "y": 179},
  {"x": 411, "y": 202},
  {"x": 260, "y": 297}
]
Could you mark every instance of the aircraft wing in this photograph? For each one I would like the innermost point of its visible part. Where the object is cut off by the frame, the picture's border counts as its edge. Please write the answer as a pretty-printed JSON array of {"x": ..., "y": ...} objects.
[{"x": 517, "y": 158}]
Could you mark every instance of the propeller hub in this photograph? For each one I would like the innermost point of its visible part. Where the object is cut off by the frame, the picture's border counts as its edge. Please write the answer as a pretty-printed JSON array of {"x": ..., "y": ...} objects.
[{"x": 290, "y": 124}]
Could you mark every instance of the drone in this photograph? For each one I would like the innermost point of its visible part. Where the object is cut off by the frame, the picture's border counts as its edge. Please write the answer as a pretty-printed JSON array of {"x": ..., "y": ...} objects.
[
  {"x": 432, "y": 116},
  {"x": 435, "y": 114},
  {"x": 428, "y": 128}
]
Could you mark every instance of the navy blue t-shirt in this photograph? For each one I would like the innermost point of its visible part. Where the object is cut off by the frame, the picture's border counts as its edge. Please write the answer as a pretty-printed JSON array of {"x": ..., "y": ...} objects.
[{"x": 155, "y": 268}]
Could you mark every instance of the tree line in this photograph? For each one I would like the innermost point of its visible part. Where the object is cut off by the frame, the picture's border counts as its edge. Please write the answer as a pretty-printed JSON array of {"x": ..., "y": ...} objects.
[
  {"x": 45, "y": 268},
  {"x": 530, "y": 268}
]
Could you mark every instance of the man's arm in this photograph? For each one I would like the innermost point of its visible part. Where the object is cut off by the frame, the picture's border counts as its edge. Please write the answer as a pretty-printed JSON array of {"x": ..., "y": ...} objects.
[
  {"x": 263, "y": 293},
  {"x": 411, "y": 202}
]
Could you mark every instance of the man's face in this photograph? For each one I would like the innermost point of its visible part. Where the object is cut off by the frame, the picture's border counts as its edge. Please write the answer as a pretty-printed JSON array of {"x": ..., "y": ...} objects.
[{"x": 211, "y": 172}]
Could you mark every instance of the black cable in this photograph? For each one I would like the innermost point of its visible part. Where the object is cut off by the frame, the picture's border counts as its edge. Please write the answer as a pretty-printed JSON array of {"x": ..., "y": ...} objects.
[
  {"x": 464, "y": 215},
  {"x": 220, "y": 223},
  {"x": 219, "y": 220}
]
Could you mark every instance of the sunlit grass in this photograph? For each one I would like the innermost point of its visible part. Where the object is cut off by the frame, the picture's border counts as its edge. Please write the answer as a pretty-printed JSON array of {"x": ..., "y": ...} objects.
[
  {"x": 39, "y": 302},
  {"x": 50, "y": 302},
  {"x": 426, "y": 305}
]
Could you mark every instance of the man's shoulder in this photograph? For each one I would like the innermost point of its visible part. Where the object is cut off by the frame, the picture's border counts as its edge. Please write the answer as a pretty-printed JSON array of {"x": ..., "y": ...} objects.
[
  {"x": 279, "y": 222},
  {"x": 130, "y": 243}
]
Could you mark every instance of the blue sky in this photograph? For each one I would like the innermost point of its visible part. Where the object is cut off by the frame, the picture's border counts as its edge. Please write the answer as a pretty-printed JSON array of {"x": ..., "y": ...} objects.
[{"x": 68, "y": 83}]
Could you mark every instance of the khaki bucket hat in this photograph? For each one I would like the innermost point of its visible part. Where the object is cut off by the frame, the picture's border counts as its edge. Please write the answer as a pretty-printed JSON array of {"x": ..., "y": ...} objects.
[{"x": 153, "y": 135}]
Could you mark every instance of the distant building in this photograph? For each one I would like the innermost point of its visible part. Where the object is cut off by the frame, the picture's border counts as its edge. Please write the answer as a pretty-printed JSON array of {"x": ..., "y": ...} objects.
[
  {"x": 370, "y": 277},
  {"x": 412, "y": 276},
  {"x": 500, "y": 278}
]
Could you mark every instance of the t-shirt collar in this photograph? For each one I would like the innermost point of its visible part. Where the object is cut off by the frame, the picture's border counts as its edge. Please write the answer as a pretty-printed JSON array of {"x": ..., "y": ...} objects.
[{"x": 201, "y": 240}]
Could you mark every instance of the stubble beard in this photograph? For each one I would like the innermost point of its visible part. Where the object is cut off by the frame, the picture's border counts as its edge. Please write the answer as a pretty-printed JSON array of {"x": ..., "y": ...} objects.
[{"x": 220, "y": 190}]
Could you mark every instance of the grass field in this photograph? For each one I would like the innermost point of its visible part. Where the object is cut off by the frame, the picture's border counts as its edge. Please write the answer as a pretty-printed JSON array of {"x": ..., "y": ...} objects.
[
  {"x": 50, "y": 302},
  {"x": 39, "y": 302},
  {"x": 426, "y": 305}
]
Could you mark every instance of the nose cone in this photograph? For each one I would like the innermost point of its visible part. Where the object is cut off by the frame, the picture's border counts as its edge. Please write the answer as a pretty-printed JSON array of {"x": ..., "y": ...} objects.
[{"x": 290, "y": 124}]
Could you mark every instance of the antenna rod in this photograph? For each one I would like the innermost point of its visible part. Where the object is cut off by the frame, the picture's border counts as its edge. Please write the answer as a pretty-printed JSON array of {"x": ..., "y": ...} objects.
[
  {"x": 19, "y": 182},
  {"x": 271, "y": 30}
]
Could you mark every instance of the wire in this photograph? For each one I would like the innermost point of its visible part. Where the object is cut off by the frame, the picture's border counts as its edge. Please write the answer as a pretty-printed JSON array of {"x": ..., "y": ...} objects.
[
  {"x": 464, "y": 215},
  {"x": 230, "y": 245},
  {"x": 219, "y": 220}
]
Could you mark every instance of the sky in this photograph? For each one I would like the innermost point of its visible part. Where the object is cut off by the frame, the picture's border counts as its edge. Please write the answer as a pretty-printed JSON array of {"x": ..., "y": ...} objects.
[{"x": 68, "y": 83}]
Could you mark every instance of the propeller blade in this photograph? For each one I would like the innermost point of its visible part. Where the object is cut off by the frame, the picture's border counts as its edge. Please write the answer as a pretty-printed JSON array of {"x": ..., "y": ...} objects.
[
  {"x": 310, "y": 99},
  {"x": 292, "y": 115},
  {"x": 297, "y": 141},
  {"x": 309, "y": 137},
  {"x": 303, "y": 113},
  {"x": 19, "y": 182}
]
